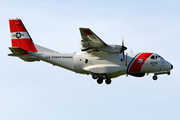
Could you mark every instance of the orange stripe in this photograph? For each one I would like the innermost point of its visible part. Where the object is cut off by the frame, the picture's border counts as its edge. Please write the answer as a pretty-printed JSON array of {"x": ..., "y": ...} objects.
[
  {"x": 138, "y": 62},
  {"x": 16, "y": 26}
]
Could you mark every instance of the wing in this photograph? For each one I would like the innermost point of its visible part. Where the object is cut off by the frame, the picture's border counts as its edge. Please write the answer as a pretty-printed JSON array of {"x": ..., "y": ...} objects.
[{"x": 90, "y": 41}]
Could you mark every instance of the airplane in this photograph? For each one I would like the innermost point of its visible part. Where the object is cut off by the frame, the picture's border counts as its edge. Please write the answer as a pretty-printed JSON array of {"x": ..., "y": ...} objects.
[{"x": 100, "y": 60}]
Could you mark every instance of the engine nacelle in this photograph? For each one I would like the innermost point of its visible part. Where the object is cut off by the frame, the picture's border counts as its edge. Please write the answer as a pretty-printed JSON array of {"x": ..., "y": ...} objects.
[{"x": 115, "y": 49}]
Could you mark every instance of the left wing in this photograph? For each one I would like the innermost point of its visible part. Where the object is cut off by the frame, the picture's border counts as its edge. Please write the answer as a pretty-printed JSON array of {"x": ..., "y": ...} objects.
[{"x": 90, "y": 40}]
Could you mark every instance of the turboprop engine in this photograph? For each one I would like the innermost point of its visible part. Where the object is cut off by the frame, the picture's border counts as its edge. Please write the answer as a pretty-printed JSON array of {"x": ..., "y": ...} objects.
[
  {"x": 110, "y": 48},
  {"x": 114, "y": 49}
]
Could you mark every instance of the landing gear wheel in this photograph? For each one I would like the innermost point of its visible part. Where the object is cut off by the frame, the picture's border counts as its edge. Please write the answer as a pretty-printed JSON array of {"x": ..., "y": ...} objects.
[
  {"x": 99, "y": 81},
  {"x": 155, "y": 77},
  {"x": 95, "y": 76},
  {"x": 103, "y": 76},
  {"x": 169, "y": 73},
  {"x": 108, "y": 81}
]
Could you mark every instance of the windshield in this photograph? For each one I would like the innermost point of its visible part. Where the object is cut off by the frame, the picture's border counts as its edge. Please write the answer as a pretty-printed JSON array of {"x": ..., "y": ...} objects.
[
  {"x": 156, "y": 56},
  {"x": 160, "y": 57}
]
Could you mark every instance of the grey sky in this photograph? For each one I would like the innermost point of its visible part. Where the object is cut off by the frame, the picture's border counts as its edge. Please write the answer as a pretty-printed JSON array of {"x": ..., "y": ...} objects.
[{"x": 34, "y": 91}]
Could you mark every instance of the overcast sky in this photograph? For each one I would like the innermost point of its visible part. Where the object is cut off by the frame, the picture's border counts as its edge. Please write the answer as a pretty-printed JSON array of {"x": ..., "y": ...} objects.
[{"x": 40, "y": 91}]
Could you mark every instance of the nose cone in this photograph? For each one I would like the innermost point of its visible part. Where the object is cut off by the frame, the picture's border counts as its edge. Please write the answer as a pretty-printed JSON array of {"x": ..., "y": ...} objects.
[
  {"x": 168, "y": 66},
  {"x": 171, "y": 66}
]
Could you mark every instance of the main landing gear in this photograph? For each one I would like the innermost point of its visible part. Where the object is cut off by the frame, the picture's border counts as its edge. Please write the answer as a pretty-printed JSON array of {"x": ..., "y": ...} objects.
[{"x": 101, "y": 78}]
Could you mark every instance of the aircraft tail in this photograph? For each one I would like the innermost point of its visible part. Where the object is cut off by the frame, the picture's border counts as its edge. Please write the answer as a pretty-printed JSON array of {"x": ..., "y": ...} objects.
[
  {"x": 22, "y": 43},
  {"x": 20, "y": 37}
]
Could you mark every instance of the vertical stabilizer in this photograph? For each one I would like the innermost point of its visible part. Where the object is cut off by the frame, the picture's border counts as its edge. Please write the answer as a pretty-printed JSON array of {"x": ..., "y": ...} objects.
[{"x": 20, "y": 36}]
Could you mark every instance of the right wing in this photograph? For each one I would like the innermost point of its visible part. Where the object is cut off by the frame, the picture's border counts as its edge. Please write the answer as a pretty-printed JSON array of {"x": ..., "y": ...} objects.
[{"x": 90, "y": 40}]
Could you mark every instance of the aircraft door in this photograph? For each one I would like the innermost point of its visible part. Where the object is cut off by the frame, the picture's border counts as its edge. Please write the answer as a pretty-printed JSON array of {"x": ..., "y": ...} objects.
[
  {"x": 80, "y": 60},
  {"x": 79, "y": 63}
]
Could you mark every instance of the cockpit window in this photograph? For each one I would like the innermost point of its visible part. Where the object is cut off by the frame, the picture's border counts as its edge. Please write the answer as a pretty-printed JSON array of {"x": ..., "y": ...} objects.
[
  {"x": 160, "y": 57},
  {"x": 154, "y": 57}
]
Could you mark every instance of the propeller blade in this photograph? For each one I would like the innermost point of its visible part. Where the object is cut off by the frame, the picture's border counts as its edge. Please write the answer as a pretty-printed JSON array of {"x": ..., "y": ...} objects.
[
  {"x": 123, "y": 55},
  {"x": 122, "y": 42},
  {"x": 123, "y": 48}
]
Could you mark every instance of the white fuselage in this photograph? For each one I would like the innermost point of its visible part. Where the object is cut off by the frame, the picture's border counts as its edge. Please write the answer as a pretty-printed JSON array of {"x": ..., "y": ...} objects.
[{"x": 111, "y": 64}]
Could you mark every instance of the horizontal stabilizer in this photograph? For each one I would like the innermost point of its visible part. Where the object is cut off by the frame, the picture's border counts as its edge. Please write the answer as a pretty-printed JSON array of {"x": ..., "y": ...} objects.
[
  {"x": 17, "y": 51},
  {"x": 22, "y": 54},
  {"x": 29, "y": 59}
]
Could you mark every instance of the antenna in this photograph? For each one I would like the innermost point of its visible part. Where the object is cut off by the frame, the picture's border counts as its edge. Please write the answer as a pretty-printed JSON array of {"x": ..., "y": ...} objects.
[{"x": 131, "y": 50}]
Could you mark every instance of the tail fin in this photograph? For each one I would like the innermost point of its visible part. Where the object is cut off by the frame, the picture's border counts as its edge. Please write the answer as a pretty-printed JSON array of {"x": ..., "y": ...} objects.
[{"x": 20, "y": 37}]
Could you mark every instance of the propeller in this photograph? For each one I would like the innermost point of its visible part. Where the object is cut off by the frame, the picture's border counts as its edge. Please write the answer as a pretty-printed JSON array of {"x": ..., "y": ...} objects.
[{"x": 123, "y": 48}]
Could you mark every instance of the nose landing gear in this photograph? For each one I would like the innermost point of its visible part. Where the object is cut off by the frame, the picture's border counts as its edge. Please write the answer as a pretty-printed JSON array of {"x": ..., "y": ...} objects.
[
  {"x": 160, "y": 73},
  {"x": 155, "y": 77}
]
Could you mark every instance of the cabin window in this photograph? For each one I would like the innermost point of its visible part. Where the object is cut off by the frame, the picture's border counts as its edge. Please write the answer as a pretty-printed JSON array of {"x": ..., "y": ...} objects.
[{"x": 86, "y": 60}]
